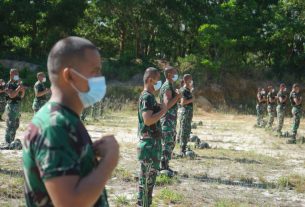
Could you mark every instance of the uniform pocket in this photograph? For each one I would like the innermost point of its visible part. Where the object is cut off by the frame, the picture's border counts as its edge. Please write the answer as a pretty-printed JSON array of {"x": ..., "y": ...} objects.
[{"x": 144, "y": 149}]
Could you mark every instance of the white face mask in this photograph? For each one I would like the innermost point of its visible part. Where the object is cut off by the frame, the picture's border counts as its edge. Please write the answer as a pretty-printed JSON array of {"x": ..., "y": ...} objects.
[
  {"x": 3, "y": 84},
  {"x": 191, "y": 83},
  {"x": 16, "y": 77},
  {"x": 175, "y": 78},
  {"x": 44, "y": 79}
]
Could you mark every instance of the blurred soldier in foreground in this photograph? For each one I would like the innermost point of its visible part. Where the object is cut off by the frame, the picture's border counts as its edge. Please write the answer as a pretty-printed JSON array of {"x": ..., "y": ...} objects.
[{"x": 62, "y": 167}]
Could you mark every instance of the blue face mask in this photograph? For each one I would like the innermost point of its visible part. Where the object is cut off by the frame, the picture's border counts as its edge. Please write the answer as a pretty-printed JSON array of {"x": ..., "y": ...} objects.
[
  {"x": 175, "y": 78},
  {"x": 96, "y": 92},
  {"x": 16, "y": 77},
  {"x": 158, "y": 85}
]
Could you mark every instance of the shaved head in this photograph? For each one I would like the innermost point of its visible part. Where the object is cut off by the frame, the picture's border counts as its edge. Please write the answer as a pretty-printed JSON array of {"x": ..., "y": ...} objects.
[
  {"x": 68, "y": 52},
  {"x": 150, "y": 73},
  {"x": 168, "y": 69}
]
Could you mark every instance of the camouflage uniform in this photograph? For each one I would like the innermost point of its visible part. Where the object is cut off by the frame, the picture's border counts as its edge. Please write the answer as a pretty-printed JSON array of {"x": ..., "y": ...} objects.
[
  {"x": 39, "y": 101},
  {"x": 185, "y": 119},
  {"x": 296, "y": 113},
  {"x": 149, "y": 149},
  {"x": 260, "y": 107},
  {"x": 271, "y": 108},
  {"x": 13, "y": 113},
  {"x": 56, "y": 144},
  {"x": 168, "y": 124},
  {"x": 2, "y": 101},
  {"x": 280, "y": 109}
]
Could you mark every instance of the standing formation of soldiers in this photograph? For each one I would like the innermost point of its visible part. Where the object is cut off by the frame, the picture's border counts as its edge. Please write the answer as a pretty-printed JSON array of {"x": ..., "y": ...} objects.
[
  {"x": 11, "y": 95},
  {"x": 157, "y": 126},
  {"x": 276, "y": 106}
]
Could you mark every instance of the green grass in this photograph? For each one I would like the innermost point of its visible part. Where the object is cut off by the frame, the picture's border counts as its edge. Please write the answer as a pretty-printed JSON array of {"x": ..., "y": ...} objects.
[
  {"x": 123, "y": 174},
  {"x": 163, "y": 180},
  {"x": 121, "y": 200},
  {"x": 170, "y": 196},
  {"x": 229, "y": 203},
  {"x": 296, "y": 182}
]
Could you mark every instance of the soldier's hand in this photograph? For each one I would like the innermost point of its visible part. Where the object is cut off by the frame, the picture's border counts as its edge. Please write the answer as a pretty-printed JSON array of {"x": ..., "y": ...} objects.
[
  {"x": 107, "y": 148},
  {"x": 163, "y": 108},
  {"x": 178, "y": 93}
]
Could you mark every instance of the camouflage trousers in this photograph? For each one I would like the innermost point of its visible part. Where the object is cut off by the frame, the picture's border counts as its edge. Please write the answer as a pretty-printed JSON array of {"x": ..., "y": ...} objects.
[
  {"x": 37, "y": 105},
  {"x": 260, "y": 114},
  {"x": 12, "y": 121},
  {"x": 185, "y": 122},
  {"x": 280, "y": 110},
  {"x": 168, "y": 145},
  {"x": 168, "y": 123},
  {"x": 296, "y": 118},
  {"x": 271, "y": 114},
  {"x": 149, "y": 155}
]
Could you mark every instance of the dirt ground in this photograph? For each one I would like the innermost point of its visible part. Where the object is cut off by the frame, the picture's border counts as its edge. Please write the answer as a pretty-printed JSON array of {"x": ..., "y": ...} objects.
[{"x": 245, "y": 166}]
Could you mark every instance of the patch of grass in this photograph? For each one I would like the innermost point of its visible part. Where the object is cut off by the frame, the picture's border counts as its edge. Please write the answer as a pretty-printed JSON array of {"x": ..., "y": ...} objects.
[
  {"x": 296, "y": 182},
  {"x": 11, "y": 187},
  {"x": 170, "y": 196},
  {"x": 165, "y": 180},
  {"x": 229, "y": 203},
  {"x": 121, "y": 200},
  {"x": 246, "y": 179},
  {"x": 123, "y": 174}
]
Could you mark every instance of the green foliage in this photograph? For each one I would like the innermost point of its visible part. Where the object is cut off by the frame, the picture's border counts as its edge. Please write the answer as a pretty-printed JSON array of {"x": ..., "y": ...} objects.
[
  {"x": 165, "y": 180},
  {"x": 296, "y": 182},
  {"x": 121, "y": 200},
  {"x": 170, "y": 196},
  {"x": 205, "y": 38}
]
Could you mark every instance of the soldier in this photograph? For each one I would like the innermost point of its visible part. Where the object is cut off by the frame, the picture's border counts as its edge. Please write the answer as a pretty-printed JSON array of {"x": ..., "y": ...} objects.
[
  {"x": 296, "y": 102},
  {"x": 40, "y": 92},
  {"x": 261, "y": 101},
  {"x": 62, "y": 167},
  {"x": 2, "y": 98},
  {"x": 150, "y": 134},
  {"x": 15, "y": 92},
  {"x": 169, "y": 96},
  {"x": 186, "y": 112},
  {"x": 271, "y": 105},
  {"x": 282, "y": 98}
]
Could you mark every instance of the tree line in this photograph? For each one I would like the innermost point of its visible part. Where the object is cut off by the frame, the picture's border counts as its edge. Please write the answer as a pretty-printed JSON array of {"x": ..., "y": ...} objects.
[{"x": 215, "y": 36}]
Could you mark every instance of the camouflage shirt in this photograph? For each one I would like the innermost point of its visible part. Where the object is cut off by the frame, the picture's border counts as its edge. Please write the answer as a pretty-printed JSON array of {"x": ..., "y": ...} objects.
[
  {"x": 39, "y": 87},
  {"x": 13, "y": 85},
  {"x": 294, "y": 95},
  {"x": 271, "y": 97},
  {"x": 283, "y": 95},
  {"x": 187, "y": 94},
  {"x": 56, "y": 144},
  {"x": 147, "y": 102},
  {"x": 171, "y": 114},
  {"x": 261, "y": 95}
]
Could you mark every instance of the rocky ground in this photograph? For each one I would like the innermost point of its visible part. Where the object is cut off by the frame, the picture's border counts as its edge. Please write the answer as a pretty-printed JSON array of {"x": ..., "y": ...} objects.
[{"x": 245, "y": 166}]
